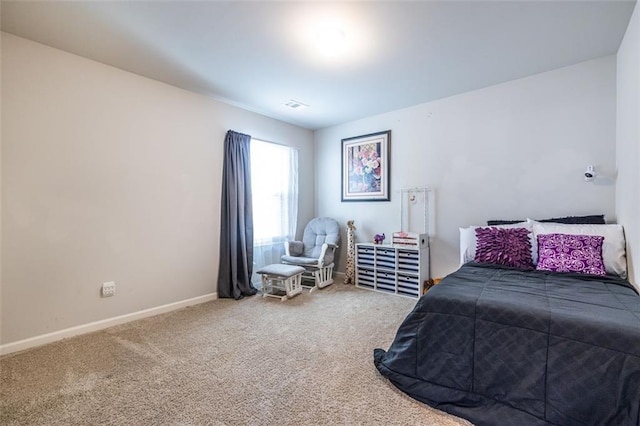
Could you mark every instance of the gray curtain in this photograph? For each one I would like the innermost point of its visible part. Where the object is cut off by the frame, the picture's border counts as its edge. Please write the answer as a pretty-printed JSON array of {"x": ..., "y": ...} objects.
[{"x": 236, "y": 224}]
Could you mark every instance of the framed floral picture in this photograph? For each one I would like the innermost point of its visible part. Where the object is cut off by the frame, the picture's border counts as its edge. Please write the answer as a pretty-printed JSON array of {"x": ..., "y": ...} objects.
[{"x": 365, "y": 167}]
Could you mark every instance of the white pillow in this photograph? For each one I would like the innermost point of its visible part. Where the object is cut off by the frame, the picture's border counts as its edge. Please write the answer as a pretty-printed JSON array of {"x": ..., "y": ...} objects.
[
  {"x": 614, "y": 253},
  {"x": 468, "y": 239}
]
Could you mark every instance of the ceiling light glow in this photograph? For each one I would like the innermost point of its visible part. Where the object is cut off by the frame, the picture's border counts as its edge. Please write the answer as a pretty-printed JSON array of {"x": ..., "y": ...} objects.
[{"x": 330, "y": 41}]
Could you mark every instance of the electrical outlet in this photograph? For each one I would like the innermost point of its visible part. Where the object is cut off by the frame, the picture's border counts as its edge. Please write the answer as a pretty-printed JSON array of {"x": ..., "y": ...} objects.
[{"x": 108, "y": 289}]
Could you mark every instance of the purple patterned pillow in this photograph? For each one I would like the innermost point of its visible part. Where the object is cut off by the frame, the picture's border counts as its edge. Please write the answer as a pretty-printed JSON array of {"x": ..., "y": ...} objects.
[
  {"x": 571, "y": 253},
  {"x": 504, "y": 246}
]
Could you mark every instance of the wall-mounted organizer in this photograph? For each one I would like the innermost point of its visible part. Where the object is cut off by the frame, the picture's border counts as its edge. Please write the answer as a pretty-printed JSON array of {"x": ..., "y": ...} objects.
[
  {"x": 402, "y": 267},
  {"x": 417, "y": 213}
]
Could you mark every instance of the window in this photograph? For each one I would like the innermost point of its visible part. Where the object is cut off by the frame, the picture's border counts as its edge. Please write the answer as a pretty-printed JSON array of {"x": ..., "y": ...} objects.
[{"x": 274, "y": 187}]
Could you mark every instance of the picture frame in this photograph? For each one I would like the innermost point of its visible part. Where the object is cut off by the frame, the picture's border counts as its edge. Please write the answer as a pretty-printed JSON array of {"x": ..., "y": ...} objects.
[{"x": 365, "y": 167}]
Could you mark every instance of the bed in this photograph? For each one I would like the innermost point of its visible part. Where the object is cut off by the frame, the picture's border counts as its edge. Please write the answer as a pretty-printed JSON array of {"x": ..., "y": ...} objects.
[{"x": 502, "y": 344}]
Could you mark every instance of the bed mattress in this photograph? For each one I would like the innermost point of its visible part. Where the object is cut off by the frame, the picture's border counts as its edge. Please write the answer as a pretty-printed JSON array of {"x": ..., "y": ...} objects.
[{"x": 500, "y": 345}]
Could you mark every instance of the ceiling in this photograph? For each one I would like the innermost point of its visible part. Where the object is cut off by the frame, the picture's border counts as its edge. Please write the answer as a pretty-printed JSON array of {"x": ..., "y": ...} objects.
[{"x": 259, "y": 55}]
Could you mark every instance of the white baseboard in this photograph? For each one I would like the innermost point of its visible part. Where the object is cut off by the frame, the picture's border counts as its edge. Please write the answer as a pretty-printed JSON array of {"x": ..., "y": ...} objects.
[{"x": 100, "y": 325}]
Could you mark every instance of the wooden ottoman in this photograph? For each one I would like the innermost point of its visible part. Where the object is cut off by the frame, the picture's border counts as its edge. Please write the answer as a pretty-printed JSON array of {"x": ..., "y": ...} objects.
[{"x": 279, "y": 276}]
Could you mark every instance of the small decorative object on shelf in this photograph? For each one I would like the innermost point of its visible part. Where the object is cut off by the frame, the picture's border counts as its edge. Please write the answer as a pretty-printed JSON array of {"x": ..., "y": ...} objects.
[
  {"x": 409, "y": 239},
  {"x": 350, "y": 274},
  {"x": 378, "y": 238}
]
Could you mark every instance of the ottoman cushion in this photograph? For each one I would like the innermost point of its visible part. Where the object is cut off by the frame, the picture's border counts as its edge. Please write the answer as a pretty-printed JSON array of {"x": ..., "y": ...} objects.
[{"x": 280, "y": 270}]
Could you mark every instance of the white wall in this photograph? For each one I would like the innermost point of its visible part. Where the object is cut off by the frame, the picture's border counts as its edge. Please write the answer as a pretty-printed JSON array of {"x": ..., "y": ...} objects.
[
  {"x": 109, "y": 176},
  {"x": 628, "y": 140},
  {"x": 511, "y": 151}
]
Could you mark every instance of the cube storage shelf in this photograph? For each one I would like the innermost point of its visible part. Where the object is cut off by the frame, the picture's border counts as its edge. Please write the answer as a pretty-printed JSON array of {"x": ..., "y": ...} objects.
[{"x": 392, "y": 269}]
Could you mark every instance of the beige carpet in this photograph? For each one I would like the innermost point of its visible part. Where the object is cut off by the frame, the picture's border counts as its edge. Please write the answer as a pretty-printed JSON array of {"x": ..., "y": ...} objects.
[{"x": 306, "y": 361}]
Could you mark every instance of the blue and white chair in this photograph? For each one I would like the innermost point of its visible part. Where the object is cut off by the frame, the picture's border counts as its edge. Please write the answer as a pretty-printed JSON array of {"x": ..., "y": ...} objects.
[{"x": 315, "y": 253}]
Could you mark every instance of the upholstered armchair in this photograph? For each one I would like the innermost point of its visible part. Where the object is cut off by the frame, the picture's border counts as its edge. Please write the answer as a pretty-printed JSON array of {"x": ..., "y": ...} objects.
[{"x": 316, "y": 251}]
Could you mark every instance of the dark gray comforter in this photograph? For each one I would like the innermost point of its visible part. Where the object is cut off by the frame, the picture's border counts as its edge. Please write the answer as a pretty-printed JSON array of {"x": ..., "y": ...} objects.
[{"x": 502, "y": 346}]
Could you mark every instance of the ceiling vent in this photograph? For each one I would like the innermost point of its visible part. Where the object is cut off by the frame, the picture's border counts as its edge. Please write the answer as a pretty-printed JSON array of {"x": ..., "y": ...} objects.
[{"x": 295, "y": 104}]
